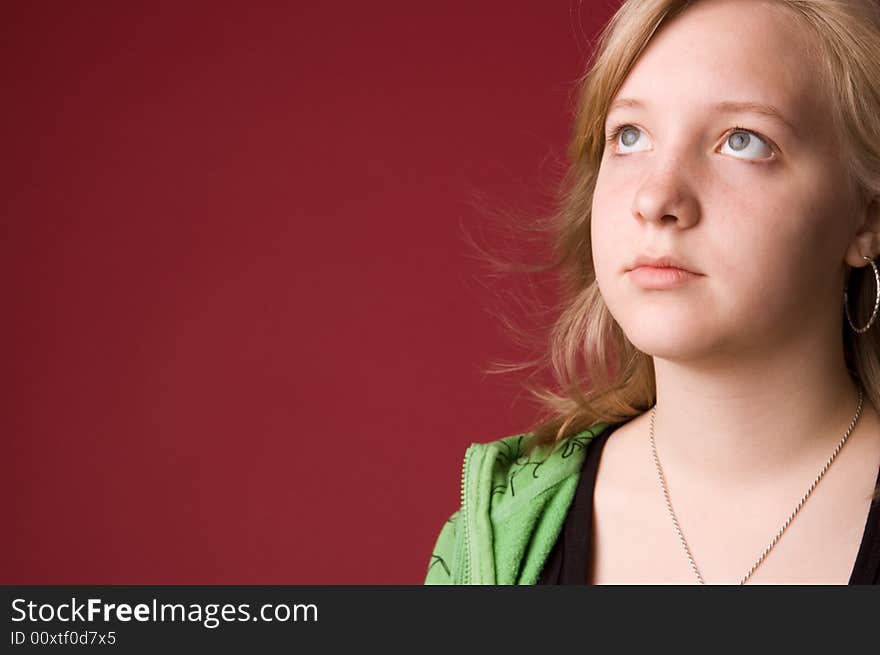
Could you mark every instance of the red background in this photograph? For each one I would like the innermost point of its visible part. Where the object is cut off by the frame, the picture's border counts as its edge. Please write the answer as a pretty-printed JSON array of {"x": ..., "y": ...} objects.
[{"x": 243, "y": 335}]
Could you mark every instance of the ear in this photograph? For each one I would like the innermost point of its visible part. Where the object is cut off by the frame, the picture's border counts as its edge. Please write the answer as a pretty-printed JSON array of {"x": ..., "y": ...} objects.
[{"x": 867, "y": 239}]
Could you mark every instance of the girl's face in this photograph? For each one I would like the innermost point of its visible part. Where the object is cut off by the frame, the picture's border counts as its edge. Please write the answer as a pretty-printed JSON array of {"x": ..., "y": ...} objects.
[{"x": 758, "y": 204}]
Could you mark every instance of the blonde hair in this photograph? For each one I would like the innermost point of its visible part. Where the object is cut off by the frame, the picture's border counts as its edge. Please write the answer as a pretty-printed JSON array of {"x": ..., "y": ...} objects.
[{"x": 598, "y": 373}]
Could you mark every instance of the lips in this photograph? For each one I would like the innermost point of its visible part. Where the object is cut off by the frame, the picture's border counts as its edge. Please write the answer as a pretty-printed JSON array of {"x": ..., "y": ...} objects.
[
  {"x": 661, "y": 277},
  {"x": 665, "y": 261}
]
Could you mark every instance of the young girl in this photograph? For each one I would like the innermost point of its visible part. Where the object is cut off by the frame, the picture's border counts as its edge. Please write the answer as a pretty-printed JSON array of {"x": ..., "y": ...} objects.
[{"x": 718, "y": 355}]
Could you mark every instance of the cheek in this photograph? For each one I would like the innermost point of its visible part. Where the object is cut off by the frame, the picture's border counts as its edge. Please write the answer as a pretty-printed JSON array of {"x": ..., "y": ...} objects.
[
  {"x": 794, "y": 240},
  {"x": 609, "y": 247},
  {"x": 612, "y": 207}
]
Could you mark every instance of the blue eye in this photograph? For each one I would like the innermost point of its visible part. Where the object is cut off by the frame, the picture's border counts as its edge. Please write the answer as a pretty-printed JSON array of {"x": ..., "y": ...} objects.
[
  {"x": 741, "y": 140},
  {"x": 624, "y": 129}
]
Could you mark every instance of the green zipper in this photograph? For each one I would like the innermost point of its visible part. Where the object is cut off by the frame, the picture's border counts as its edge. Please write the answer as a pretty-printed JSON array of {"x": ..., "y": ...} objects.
[{"x": 465, "y": 579}]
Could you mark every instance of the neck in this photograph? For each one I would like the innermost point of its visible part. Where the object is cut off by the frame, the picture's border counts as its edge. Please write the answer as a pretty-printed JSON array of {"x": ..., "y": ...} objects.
[{"x": 752, "y": 420}]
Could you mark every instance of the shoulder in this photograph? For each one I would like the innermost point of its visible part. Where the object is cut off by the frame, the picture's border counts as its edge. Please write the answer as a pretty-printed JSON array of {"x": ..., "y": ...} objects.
[
  {"x": 514, "y": 449},
  {"x": 511, "y": 471},
  {"x": 510, "y": 497}
]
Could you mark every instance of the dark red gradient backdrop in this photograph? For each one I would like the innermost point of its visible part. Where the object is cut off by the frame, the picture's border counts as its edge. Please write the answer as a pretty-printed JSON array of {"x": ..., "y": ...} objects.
[{"x": 241, "y": 335}]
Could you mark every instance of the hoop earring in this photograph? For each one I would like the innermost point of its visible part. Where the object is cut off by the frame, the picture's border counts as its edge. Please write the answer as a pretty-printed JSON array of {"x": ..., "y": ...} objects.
[{"x": 876, "y": 300}]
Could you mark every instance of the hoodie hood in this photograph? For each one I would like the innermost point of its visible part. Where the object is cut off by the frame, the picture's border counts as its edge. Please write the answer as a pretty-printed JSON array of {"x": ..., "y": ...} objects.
[{"x": 512, "y": 510}]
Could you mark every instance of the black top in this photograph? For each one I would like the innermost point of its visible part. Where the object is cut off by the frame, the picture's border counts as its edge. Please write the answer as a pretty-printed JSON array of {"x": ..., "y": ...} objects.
[{"x": 567, "y": 562}]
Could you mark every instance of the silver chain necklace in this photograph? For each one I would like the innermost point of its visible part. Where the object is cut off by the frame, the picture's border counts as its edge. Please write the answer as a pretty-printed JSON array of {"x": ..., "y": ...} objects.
[{"x": 787, "y": 521}]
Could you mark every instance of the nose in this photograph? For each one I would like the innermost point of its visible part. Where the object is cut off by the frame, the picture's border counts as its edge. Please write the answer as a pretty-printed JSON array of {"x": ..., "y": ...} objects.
[{"x": 666, "y": 197}]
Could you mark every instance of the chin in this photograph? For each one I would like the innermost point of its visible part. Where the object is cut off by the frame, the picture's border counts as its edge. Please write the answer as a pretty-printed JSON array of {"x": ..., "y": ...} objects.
[
  {"x": 673, "y": 348},
  {"x": 670, "y": 339}
]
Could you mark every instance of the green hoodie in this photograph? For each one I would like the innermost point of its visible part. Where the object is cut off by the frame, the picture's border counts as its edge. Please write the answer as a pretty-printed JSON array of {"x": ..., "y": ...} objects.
[{"x": 512, "y": 510}]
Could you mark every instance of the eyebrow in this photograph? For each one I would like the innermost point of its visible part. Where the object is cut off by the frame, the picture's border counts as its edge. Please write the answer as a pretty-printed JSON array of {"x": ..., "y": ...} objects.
[{"x": 727, "y": 106}]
